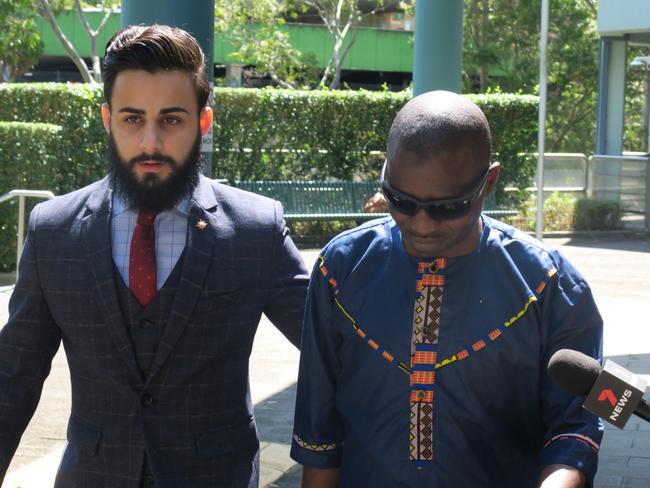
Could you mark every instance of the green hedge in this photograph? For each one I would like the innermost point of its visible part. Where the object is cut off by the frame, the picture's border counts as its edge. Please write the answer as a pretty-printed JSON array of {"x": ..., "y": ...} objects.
[
  {"x": 284, "y": 134},
  {"x": 30, "y": 154},
  {"x": 275, "y": 134},
  {"x": 590, "y": 214},
  {"x": 259, "y": 134},
  {"x": 76, "y": 108}
]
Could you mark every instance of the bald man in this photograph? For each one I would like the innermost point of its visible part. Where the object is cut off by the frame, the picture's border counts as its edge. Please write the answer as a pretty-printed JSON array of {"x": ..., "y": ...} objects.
[{"x": 427, "y": 334}]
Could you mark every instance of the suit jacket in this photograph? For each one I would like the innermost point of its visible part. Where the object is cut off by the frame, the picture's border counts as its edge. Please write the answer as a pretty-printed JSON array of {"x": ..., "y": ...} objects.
[{"x": 192, "y": 413}]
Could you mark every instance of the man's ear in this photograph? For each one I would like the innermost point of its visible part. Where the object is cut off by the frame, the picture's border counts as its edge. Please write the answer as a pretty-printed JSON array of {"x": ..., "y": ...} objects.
[
  {"x": 493, "y": 177},
  {"x": 205, "y": 120},
  {"x": 106, "y": 117}
]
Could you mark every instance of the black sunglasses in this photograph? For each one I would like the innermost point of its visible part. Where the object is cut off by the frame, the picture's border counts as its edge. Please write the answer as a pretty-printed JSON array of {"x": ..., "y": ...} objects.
[{"x": 440, "y": 209}]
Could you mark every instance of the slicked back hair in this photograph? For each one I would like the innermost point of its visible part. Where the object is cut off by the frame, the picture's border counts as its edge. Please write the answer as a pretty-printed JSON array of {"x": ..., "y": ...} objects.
[
  {"x": 155, "y": 48},
  {"x": 437, "y": 122}
]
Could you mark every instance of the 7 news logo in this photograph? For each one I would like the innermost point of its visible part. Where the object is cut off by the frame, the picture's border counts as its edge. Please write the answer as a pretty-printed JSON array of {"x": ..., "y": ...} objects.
[{"x": 618, "y": 404}]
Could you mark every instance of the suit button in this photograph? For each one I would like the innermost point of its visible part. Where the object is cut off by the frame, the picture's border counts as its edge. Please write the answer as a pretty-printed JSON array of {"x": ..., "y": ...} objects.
[
  {"x": 144, "y": 323},
  {"x": 147, "y": 373},
  {"x": 147, "y": 400}
]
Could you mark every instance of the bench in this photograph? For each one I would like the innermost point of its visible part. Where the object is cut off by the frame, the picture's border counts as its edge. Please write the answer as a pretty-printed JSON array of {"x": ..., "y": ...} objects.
[{"x": 330, "y": 200}]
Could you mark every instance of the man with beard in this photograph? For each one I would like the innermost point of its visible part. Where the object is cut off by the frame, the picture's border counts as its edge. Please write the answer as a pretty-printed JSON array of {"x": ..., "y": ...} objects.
[{"x": 154, "y": 278}]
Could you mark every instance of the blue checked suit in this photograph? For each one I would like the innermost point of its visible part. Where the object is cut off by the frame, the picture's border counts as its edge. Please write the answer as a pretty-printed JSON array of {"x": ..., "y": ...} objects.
[{"x": 191, "y": 413}]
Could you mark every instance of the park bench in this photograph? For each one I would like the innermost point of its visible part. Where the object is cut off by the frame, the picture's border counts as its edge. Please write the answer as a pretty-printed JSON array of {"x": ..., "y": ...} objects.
[{"x": 330, "y": 200}]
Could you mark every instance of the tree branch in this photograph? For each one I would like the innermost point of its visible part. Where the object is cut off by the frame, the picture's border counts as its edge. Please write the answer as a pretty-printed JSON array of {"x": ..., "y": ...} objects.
[
  {"x": 67, "y": 45},
  {"x": 107, "y": 15},
  {"x": 84, "y": 20},
  {"x": 280, "y": 81},
  {"x": 93, "y": 33},
  {"x": 339, "y": 65}
]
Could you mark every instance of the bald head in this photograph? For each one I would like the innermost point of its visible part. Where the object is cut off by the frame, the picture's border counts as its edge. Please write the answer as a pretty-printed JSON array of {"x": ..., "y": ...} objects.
[{"x": 439, "y": 121}]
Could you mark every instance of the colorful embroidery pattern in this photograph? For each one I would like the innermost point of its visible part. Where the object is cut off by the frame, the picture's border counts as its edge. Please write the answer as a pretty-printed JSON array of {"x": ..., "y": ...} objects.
[
  {"x": 314, "y": 447},
  {"x": 424, "y": 357},
  {"x": 360, "y": 332},
  {"x": 492, "y": 336},
  {"x": 424, "y": 344}
]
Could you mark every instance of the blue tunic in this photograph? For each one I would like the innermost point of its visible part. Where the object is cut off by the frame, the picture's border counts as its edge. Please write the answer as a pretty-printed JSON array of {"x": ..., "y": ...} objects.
[{"x": 418, "y": 372}]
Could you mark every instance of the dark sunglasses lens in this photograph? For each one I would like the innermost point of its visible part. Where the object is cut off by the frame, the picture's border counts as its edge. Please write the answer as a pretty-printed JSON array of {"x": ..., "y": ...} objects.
[
  {"x": 449, "y": 211},
  {"x": 403, "y": 206}
]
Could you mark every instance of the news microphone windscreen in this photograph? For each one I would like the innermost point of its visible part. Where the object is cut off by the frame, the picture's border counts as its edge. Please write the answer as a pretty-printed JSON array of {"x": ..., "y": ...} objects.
[{"x": 574, "y": 371}]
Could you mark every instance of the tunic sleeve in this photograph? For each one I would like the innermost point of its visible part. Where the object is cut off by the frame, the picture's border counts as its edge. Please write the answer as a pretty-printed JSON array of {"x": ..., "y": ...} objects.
[
  {"x": 572, "y": 434},
  {"x": 318, "y": 431}
]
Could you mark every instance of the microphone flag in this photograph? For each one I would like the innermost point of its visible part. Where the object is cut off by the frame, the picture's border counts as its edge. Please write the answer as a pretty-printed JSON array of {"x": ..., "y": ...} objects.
[{"x": 615, "y": 394}]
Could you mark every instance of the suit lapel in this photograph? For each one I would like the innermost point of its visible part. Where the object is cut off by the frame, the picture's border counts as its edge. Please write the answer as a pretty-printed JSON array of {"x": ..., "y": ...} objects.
[
  {"x": 201, "y": 238},
  {"x": 96, "y": 235}
]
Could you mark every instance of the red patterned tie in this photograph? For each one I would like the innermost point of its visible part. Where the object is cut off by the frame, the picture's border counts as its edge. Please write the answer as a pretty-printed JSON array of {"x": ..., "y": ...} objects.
[{"x": 142, "y": 265}]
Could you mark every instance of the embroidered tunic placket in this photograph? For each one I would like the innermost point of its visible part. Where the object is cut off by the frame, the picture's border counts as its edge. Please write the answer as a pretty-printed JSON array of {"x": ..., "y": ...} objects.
[{"x": 424, "y": 353}]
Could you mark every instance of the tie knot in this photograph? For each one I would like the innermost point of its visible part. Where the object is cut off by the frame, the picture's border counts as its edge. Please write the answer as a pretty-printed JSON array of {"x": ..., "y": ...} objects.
[{"x": 146, "y": 218}]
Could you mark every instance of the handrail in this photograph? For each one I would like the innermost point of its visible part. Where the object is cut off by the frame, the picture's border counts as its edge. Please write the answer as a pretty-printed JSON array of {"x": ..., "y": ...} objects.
[{"x": 21, "y": 194}]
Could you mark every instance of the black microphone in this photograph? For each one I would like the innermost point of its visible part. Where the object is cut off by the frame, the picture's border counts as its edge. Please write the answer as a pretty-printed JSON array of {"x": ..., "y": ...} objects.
[{"x": 612, "y": 392}]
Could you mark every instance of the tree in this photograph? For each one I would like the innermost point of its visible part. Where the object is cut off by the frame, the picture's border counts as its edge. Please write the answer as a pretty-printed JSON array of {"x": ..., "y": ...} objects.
[
  {"x": 342, "y": 17},
  {"x": 254, "y": 28},
  {"x": 47, "y": 10},
  {"x": 501, "y": 53},
  {"x": 20, "y": 44}
]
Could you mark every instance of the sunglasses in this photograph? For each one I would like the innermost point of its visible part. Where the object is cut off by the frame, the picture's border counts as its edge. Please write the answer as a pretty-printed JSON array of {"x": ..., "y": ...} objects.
[{"x": 440, "y": 209}]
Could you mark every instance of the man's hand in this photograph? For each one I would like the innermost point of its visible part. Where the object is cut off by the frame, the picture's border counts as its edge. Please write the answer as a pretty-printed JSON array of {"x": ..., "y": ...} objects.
[
  {"x": 376, "y": 204},
  {"x": 320, "y": 478},
  {"x": 561, "y": 476}
]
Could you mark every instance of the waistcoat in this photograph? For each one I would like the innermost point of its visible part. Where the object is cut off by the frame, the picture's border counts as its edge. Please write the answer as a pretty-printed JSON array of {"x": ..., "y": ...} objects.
[{"x": 146, "y": 325}]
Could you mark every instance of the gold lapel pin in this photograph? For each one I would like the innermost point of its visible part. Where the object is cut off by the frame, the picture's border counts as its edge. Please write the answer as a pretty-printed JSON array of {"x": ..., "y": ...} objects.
[{"x": 201, "y": 224}]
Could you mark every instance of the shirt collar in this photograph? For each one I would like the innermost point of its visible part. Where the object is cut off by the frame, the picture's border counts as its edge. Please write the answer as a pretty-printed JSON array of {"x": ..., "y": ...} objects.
[{"x": 118, "y": 207}]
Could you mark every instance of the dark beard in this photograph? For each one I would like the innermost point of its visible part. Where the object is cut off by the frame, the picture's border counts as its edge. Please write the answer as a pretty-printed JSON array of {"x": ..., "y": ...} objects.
[{"x": 152, "y": 194}]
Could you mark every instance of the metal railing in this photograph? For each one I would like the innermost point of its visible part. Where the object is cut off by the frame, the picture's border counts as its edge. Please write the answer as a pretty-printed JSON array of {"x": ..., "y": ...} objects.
[
  {"x": 565, "y": 173},
  {"x": 625, "y": 179},
  {"x": 22, "y": 194}
]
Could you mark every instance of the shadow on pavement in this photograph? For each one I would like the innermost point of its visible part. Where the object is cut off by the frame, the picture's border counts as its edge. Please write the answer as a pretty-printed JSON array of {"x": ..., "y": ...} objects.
[
  {"x": 274, "y": 417},
  {"x": 618, "y": 242}
]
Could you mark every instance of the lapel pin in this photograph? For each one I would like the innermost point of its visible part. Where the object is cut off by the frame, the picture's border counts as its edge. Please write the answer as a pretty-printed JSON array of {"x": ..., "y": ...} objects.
[{"x": 201, "y": 224}]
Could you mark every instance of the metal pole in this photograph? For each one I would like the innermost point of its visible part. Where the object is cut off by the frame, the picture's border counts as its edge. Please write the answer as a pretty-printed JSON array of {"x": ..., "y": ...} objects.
[
  {"x": 21, "y": 230},
  {"x": 197, "y": 18},
  {"x": 603, "y": 96},
  {"x": 645, "y": 139},
  {"x": 438, "y": 45},
  {"x": 539, "y": 223},
  {"x": 646, "y": 209}
]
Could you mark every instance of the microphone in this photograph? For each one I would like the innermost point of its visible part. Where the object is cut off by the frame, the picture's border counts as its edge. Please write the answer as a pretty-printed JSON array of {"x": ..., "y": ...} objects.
[{"x": 612, "y": 392}]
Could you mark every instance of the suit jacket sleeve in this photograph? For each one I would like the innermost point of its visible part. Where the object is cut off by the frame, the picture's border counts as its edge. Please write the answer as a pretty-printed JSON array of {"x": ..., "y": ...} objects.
[
  {"x": 289, "y": 280},
  {"x": 28, "y": 343}
]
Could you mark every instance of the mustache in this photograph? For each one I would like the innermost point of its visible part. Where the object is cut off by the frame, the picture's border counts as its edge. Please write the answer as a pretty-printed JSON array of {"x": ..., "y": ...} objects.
[{"x": 152, "y": 157}]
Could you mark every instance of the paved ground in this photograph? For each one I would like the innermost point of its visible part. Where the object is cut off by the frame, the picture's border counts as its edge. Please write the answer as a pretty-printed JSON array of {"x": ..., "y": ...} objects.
[{"x": 618, "y": 269}]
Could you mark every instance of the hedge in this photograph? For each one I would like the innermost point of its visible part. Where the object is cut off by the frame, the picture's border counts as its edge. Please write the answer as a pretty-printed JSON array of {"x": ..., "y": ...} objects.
[
  {"x": 76, "y": 108},
  {"x": 284, "y": 134},
  {"x": 30, "y": 154},
  {"x": 275, "y": 134},
  {"x": 264, "y": 134}
]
